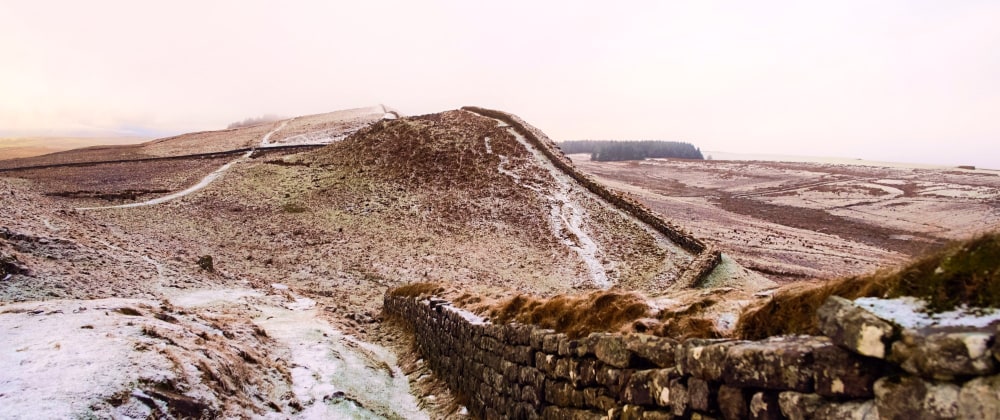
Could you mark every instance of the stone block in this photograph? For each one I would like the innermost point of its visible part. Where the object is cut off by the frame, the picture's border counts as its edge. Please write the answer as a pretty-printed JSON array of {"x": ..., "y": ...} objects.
[
  {"x": 613, "y": 379},
  {"x": 913, "y": 398},
  {"x": 560, "y": 413},
  {"x": 537, "y": 337},
  {"x": 659, "y": 386},
  {"x": 585, "y": 373},
  {"x": 945, "y": 354},
  {"x": 703, "y": 395},
  {"x": 659, "y": 351},
  {"x": 843, "y": 374},
  {"x": 980, "y": 399},
  {"x": 550, "y": 344},
  {"x": 704, "y": 359},
  {"x": 631, "y": 412},
  {"x": 610, "y": 349},
  {"x": 781, "y": 363},
  {"x": 679, "y": 401},
  {"x": 850, "y": 410},
  {"x": 657, "y": 415},
  {"x": 855, "y": 328},
  {"x": 764, "y": 405},
  {"x": 733, "y": 403},
  {"x": 799, "y": 406},
  {"x": 638, "y": 390}
]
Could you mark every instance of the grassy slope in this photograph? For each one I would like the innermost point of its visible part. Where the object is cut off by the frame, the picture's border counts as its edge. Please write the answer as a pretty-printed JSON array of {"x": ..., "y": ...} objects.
[{"x": 963, "y": 273}]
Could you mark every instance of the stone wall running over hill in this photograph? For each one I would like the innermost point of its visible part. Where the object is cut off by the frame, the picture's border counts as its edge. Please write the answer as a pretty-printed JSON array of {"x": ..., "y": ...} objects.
[
  {"x": 707, "y": 255},
  {"x": 518, "y": 371}
]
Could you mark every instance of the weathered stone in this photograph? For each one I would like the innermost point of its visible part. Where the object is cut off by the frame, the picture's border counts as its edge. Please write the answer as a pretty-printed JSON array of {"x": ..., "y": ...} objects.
[
  {"x": 702, "y": 395},
  {"x": 659, "y": 351},
  {"x": 764, "y": 406},
  {"x": 855, "y": 328},
  {"x": 980, "y": 399},
  {"x": 612, "y": 379},
  {"x": 532, "y": 395},
  {"x": 550, "y": 344},
  {"x": 703, "y": 359},
  {"x": 518, "y": 334},
  {"x": 638, "y": 390},
  {"x": 733, "y": 403},
  {"x": 678, "y": 397},
  {"x": 851, "y": 410},
  {"x": 913, "y": 398},
  {"x": 558, "y": 393},
  {"x": 563, "y": 368},
  {"x": 598, "y": 398},
  {"x": 657, "y": 415},
  {"x": 660, "y": 386},
  {"x": 840, "y": 373},
  {"x": 611, "y": 349},
  {"x": 567, "y": 346},
  {"x": 631, "y": 412},
  {"x": 584, "y": 374},
  {"x": 781, "y": 363},
  {"x": 558, "y": 413},
  {"x": 943, "y": 355},
  {"x": 546, "y": 363},
  {"x": 799, "y": 406},
  {"x": 537, "y": 337}
]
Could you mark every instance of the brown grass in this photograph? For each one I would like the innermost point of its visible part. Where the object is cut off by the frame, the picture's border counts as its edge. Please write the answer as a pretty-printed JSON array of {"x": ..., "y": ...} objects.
[
  {"x": 961, "y": 273},
  {"x": 417, "y": 289},
  {"x": 576, "y": 316}
]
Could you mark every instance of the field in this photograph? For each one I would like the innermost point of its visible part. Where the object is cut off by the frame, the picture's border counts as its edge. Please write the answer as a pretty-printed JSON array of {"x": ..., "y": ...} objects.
[
  {"x": 23, "y": 147},
  {"x": 812, "y": 220}
]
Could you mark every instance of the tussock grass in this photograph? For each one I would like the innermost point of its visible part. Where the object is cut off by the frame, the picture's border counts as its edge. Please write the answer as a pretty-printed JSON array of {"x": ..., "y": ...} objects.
[
  {"x": 963, "y": 273},
  {"x": 417, "y": 289},
  {"x": 576, "y": 316}
]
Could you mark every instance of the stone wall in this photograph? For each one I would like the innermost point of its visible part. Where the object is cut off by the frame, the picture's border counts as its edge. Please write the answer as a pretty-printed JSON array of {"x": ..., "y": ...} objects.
[
  {"x": 865, "y": 369},
  {"x": 707, "y": 255}
]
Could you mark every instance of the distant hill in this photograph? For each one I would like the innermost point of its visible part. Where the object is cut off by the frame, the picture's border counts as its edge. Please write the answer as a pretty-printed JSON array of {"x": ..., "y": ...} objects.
[
  {"x": 23, "y": 147},
  {"x": 616, "y": 150}
]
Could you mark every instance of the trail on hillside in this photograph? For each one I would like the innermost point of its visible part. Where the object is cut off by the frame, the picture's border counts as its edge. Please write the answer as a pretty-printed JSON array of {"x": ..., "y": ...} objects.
[
  {"x": 564, "y": 214},
  {"x": 208, "y": 179},
  {"x": 569, "y": 214}
]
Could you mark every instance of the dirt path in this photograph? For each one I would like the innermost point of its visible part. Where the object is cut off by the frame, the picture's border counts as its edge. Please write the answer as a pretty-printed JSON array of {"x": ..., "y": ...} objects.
[
  {"x": 567, "y": 216},
  {"x": 264, "y": 142}
]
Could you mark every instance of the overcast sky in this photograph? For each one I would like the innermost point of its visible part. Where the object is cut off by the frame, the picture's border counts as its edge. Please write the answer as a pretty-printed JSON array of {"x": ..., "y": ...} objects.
[{"x": 914, "y": 81}]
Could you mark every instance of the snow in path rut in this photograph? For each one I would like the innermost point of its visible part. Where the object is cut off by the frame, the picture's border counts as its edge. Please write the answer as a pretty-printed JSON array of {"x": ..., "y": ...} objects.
[
  {"x": 565, "y": 215},
  {"x": 334, "y": 376}
]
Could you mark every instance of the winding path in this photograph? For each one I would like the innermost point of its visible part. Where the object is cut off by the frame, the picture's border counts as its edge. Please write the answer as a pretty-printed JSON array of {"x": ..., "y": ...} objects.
[{"x": 208, "y": 179}]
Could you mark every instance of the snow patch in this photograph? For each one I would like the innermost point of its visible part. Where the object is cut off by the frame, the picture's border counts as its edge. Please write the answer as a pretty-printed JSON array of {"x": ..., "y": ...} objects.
[
  {"x": 910, "y": 312},
  {"x": 564, "y": 214}
]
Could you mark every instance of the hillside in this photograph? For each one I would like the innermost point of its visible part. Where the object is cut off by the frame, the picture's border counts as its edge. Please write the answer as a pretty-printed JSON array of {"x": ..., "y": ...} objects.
[{"x": 286, "y": 243}]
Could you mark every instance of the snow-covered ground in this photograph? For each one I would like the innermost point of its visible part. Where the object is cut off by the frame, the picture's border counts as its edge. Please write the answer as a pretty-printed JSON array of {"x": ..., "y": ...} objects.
[
  {"x": 333, "y": 374},
  {"x": 564, "y": 214}
]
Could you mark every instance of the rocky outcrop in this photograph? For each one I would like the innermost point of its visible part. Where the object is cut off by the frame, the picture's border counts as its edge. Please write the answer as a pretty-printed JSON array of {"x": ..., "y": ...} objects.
[{"x": 519, "y": 371}]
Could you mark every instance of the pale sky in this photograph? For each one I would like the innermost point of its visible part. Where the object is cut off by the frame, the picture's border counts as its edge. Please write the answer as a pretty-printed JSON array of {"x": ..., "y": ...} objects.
[{"x": 910, "y": 81}]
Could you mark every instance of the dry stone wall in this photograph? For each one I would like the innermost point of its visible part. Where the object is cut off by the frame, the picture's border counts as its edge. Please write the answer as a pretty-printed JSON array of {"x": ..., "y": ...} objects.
[
  {"x": 522, "y": 372},
  {"x": 707, "y": 256}
]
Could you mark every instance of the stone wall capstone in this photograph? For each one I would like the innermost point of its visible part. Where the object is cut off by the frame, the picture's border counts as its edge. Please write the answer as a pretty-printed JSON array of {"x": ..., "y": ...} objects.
[{"x": 524, "y": 372}]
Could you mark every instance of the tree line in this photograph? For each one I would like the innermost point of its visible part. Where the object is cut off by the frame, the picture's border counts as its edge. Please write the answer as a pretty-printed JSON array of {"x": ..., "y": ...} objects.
[{"x": 614, "y": 150}]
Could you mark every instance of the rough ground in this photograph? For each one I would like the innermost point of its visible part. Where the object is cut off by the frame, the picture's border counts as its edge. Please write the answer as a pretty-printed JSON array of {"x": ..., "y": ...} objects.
[
  {"x": 794, "y": 221},
  {"x": 303, "y": 246}
]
